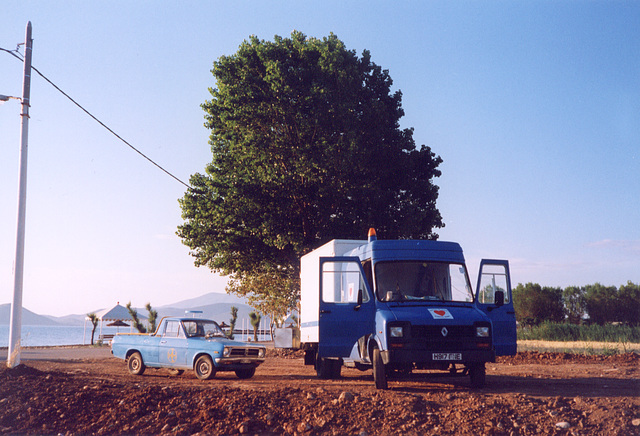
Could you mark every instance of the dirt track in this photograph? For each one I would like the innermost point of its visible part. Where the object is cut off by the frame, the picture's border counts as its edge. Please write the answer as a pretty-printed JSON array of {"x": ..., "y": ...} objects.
[{"x": 532, "y": 393}]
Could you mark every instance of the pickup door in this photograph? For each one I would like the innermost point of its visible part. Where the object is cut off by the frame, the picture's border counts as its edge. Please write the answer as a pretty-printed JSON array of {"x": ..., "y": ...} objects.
[
  {"x": 172, "y": 350},
  {"x": 494, "y": 276},
  {"x": 343, "y": 319}
]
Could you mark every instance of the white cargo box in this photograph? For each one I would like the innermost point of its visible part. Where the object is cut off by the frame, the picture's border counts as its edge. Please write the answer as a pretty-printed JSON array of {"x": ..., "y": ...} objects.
[{"x": 310, "y": 284}]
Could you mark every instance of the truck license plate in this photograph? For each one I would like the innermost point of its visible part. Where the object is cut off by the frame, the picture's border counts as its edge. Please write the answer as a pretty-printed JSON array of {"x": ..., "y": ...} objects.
[{"x": 447, "y": 356}]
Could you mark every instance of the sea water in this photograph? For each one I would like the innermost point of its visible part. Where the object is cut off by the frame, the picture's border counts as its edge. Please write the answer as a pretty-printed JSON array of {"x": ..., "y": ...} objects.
[
  {"x": 49, "y": 336},
  {"x": 44, "y": 336}
]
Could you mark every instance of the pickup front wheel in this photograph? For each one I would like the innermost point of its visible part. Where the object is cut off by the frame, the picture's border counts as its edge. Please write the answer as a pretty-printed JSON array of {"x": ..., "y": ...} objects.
[
  {"x": 204, "y": 368},
  {"x": 245, "y": 373},
  {"x": 135, "y": 365}
]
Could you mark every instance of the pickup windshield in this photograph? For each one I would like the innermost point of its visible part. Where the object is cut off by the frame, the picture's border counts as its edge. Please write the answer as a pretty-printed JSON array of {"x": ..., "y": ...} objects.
[
  {"x": 407, "y": 281},
  {"x": 202, "y": 328}
]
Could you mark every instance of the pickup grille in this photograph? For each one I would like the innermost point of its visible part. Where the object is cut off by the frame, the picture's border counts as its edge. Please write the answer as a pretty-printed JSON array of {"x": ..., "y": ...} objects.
[{"x": 244, "y": 352}]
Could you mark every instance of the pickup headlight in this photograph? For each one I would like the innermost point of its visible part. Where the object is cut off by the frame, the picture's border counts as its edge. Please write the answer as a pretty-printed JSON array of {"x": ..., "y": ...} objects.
[
  {"x": 395, "y": 332},
  {"x": 261, "y": 353},
  {"x": 482, "y": 332},
  {"x": 226, "y": 352}
]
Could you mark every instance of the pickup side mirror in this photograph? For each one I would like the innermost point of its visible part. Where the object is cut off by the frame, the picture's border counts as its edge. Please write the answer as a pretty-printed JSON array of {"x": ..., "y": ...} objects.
[{"x": 499, "y": 298}]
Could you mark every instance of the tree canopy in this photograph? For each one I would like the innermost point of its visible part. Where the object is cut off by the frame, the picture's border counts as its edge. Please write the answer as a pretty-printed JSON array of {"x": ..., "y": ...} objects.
[
  {"x": 307, "y": 147},
  {"x": 534, "y": 304},
  {"x": 595, "y": 303}
]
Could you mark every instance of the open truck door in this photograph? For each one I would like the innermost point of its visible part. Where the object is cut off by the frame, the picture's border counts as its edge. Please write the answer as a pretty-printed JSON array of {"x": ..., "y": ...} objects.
[
  {"x": 493, "y": 297},
  {"x": 347, "y": 308}
]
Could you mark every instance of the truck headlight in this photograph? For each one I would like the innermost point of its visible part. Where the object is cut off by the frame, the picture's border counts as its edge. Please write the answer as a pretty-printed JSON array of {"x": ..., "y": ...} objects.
[
  {"x": 261, "y": 352},
  {"x": 395, "y": 332},
  {"x": 482, "y": 332},
  {"x": 226, "y": 352}
]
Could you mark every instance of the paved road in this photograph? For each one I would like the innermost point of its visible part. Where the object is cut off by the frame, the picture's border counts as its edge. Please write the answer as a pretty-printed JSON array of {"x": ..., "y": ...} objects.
[{"x": 60, "y": 353}]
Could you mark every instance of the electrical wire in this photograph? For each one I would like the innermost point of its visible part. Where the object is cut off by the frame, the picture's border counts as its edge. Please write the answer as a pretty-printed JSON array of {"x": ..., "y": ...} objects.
[{"x": 13, "y": 53}]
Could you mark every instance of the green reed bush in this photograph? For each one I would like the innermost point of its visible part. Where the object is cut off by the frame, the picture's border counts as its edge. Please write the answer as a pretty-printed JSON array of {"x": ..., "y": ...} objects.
[{"x": 551, "y": 331}]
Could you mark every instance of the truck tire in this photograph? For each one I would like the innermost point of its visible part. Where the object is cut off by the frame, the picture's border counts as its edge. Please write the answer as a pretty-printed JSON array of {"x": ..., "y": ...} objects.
[
  {"x": 336, "y": 368},
  {"x": 379, "y": 372},
  {"x": 204, "y": 368},
  {"x": 477, "y": 374},
  {"x": 245, "y": 373},
  {"x": 324, "y": 368},
  {"x": 135, "y": 365}
]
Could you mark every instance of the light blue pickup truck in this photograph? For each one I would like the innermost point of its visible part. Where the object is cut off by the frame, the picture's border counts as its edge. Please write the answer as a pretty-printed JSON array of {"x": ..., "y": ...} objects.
[{"x": 188, "y": 343}]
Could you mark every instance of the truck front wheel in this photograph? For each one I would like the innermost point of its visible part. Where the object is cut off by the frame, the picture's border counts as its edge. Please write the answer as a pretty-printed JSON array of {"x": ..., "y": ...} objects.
[
  {"x": 477, "y": 374},
  {"x": 379, "y": 372},
  {"x": 204, "y": 368},
  {"x": 135, "y": 365}
]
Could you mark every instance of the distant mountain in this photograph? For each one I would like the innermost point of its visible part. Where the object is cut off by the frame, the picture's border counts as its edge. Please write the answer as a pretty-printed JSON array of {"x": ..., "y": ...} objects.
[
  {"x": 220, "y": 312},
  {"x": 205, "y": 300},
  {"x": 213, "y": 305},
  {"x": 71, "y": 320},
  {"x": 28, "y": 317}
]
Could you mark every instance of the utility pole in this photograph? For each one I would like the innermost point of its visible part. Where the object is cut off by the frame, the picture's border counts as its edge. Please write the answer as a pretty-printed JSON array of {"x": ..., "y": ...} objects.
[{"x": 15, "y": 330}]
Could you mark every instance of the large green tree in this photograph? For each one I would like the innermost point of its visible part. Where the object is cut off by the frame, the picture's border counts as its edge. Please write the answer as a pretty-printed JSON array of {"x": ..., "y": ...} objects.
[
  {"x": 629, "y": 303},
  {"x": 574, "y": 304},
  {"x": 534, "y": 304},
  {"x": 307, "y": 147}
]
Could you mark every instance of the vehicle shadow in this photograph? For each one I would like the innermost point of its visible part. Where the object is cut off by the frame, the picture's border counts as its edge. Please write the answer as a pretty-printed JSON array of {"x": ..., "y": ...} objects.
[{"x": 527, "y": 385}]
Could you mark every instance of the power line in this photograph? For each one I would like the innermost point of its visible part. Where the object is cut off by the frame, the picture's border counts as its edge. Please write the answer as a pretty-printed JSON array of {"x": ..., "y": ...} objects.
[{"x": 13, "y": 53}]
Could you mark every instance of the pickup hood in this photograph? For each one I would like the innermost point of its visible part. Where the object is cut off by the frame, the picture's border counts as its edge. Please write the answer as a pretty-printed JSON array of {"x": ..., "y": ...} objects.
[{"x": 429, "y": 314}]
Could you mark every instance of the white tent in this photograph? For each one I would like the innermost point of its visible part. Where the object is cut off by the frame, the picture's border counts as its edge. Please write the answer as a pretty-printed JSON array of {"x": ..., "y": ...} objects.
[{"x": 116, "y": 313}]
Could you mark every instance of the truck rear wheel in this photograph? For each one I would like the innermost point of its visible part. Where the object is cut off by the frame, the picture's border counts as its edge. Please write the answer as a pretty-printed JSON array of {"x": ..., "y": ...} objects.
[
  {"x": 135, "y": 365},
  {"x": 328, "y": 368},
  {"x": 477, "y": 374},
  {"x": 379, "y": 371},
  {"x": 204, "y": 368}
]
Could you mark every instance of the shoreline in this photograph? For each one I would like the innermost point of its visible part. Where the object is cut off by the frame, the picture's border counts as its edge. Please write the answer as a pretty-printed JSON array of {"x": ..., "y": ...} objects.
[{"x": 526, "y": 345}]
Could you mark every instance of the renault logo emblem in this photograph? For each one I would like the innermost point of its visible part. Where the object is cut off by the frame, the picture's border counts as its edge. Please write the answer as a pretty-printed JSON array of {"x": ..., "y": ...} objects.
[{"x": 444, "y": 331}]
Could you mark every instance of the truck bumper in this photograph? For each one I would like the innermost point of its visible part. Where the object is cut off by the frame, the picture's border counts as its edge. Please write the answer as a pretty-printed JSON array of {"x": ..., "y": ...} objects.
[{"x": 433, "y": 356}]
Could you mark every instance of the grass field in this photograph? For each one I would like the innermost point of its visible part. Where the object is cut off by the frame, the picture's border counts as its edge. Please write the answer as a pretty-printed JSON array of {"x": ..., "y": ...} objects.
[
  {"x": 550, "y": 331},
  {"x": 579, "y": 347}
]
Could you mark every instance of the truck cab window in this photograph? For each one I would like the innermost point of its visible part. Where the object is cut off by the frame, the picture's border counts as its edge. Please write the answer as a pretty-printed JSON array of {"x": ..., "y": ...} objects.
[
  {"x": 422, "y": 281},
  {"x": 368, "y": 273},
  {"x": 341, "y": 282},
  {"x": 494, "y": 278}
]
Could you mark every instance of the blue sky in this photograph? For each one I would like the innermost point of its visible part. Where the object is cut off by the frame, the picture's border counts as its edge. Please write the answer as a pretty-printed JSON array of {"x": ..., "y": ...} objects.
[{"x": 534, "y": 107}]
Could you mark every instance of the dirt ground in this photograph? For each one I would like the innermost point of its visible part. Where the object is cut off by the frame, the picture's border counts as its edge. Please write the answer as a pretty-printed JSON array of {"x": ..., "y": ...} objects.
[{"x": 531, "y": 393}]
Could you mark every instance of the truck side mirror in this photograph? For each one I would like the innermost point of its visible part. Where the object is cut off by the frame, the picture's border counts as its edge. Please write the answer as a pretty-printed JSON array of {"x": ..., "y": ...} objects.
[
  {"x": 359, "y": 300},
  {"x": 499, "y": 298}
]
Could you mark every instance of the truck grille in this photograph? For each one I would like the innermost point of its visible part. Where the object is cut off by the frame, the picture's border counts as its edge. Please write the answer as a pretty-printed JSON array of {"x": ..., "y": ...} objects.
[{"x": 431, "y": 338}]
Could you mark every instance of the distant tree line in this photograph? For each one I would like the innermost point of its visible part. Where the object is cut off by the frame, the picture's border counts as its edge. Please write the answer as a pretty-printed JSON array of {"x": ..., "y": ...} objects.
[{"x": 591, "y": 304}]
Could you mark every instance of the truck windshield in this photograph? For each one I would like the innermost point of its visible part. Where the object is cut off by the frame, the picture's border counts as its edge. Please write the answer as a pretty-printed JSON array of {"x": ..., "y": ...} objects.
[
  {"x": 422, "y": 281},
  {"x": 202, "y": 328}
]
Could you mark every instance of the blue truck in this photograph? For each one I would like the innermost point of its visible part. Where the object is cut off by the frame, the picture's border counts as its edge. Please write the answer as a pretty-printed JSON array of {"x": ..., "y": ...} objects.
[
  {"x": 399, "y": 306},
  {"x": 184, "y": 343}
]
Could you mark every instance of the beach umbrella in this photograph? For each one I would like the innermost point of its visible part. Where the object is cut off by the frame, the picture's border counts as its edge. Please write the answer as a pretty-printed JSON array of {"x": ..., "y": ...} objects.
[{"x": 118, "y": 323}]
